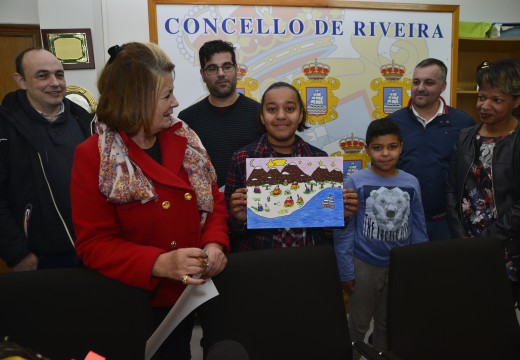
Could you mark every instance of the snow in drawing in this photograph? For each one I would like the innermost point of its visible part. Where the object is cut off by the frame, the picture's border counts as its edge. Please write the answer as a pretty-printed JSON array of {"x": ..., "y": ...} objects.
[{"x": 294, "y": 192}]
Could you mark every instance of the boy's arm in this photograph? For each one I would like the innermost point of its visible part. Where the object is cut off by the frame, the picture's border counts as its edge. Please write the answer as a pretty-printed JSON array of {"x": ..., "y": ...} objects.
[
  {"x": 344, "y": 247},
  {"x": 419, "y": 233}
]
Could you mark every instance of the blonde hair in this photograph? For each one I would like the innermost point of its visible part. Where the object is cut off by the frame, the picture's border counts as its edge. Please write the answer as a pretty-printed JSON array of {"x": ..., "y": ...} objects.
[{"x": 129, "y": 86}]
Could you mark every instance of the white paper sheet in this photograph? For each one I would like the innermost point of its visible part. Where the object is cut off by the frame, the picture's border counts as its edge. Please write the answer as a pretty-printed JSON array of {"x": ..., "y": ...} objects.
[{"x": 191, "y": 298}]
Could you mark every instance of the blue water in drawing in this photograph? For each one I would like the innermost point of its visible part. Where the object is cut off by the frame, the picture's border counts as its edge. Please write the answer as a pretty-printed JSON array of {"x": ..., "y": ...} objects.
[{"x": 311, "y": 215}]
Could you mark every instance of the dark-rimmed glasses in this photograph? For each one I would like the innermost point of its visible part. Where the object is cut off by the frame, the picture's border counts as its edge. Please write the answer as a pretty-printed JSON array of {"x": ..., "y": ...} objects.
[{"x": 213, "y": 69}]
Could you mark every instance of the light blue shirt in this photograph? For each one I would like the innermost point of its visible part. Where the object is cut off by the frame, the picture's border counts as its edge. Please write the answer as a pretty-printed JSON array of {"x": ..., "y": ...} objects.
[{"x": 390, "y": 215}]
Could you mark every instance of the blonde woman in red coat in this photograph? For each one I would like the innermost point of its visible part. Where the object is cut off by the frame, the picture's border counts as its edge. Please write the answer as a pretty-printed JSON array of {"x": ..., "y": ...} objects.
[{"x": 146, "y": 207}]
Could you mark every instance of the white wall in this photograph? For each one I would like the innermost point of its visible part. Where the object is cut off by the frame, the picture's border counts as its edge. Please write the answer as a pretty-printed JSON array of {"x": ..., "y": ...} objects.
[
  {"x": 77, "y": 14},
  {"x": 19, "y": 12},
  {"x": 119, "y": 21},
  {"x": 130, "y": 24}
]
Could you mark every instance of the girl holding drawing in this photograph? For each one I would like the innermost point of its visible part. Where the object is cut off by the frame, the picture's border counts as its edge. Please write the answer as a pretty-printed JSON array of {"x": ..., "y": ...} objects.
[{"x": 281, "y": 114}]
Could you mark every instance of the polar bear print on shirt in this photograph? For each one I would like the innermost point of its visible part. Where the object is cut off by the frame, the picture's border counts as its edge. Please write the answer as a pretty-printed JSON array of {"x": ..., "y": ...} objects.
[{"x": 390, "y": 207}]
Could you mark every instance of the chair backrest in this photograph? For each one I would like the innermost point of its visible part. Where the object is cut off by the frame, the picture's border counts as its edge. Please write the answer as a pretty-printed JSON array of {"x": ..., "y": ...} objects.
[
  {"x": 65, "y": 313},
  {"x": 280, "y": 304},
  {"x": 451, "y": 300}
]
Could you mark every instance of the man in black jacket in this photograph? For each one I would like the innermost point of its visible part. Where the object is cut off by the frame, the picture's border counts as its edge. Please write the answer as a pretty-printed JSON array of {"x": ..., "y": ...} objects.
[{"x": 39, "y": 131}]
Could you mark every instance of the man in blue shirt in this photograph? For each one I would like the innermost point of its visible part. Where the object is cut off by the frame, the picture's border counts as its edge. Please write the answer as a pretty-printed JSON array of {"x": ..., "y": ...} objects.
[{"x": 429, "y": 129}]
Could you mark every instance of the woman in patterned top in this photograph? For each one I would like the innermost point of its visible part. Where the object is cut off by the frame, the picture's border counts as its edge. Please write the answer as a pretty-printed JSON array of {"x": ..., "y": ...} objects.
[{"x": 483, "y": 194}]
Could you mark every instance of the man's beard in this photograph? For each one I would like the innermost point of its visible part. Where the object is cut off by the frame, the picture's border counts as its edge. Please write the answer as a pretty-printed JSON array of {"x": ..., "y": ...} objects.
[{"x": 224, "y": 93}]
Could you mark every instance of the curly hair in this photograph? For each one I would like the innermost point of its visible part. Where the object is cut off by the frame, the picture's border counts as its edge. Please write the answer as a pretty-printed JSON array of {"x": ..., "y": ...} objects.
[
  {"x": 503, "y": 75},
  {"x": 213, "y": 47}
]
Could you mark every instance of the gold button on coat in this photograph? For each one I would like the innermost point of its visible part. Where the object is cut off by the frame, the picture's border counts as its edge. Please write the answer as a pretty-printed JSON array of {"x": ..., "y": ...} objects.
[
  {"x": 166, "y": 205},
  {"x": 188, "y": 196},
  {"x": 173, "y": 244}
]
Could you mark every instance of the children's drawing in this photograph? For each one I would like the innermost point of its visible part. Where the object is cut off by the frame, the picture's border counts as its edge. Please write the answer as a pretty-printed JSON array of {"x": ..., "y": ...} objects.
[
  {"x": 294, "y": 192},
  {"x": 350, "y": 167}
]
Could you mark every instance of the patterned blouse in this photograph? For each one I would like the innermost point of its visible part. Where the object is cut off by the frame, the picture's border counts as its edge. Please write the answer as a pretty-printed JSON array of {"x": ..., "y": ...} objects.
[{"x": 478, "y": 203}]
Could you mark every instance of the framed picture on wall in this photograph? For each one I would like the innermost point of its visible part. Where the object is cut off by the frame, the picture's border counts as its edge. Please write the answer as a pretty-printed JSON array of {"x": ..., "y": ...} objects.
[{"x": 73, "y": 47}]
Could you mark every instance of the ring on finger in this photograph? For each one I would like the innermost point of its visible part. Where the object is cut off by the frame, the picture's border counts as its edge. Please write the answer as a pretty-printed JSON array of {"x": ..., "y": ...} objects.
[
  {"x": 184, "y": 279},
  {"x": 203, "y": 263}
]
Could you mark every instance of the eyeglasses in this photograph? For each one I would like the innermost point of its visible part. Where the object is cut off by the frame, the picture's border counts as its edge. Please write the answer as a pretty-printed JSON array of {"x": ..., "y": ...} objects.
[{"x": 213, "y": 69}]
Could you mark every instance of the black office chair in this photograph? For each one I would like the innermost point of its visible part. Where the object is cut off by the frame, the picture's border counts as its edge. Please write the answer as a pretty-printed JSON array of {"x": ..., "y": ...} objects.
[
  {"x": 451, "y": 300},
  {"x": 65, "y": 313},
  {"x": 280, "y": 304}
]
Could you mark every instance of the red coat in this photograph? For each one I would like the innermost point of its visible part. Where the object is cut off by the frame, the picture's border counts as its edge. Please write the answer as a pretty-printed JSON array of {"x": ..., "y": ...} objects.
[{"x": 123, "y": 241}]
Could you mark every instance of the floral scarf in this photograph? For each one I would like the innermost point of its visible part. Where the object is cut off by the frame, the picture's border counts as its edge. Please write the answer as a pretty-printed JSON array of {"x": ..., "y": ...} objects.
[{"x": 122, "y": 181}]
